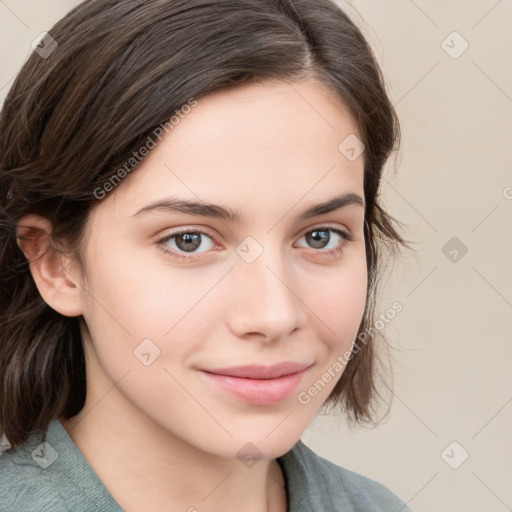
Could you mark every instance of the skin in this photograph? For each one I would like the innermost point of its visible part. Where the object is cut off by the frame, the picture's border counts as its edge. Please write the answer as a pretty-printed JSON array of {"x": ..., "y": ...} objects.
[{"x": 161, "y": 437}]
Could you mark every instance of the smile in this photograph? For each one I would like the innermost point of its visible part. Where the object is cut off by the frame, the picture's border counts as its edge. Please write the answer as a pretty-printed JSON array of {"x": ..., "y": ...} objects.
[{"x": 257, "y": 391}]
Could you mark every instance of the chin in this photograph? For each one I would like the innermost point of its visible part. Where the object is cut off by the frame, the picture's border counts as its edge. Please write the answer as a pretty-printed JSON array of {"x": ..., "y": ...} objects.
[{"x": 260, "y": 447}]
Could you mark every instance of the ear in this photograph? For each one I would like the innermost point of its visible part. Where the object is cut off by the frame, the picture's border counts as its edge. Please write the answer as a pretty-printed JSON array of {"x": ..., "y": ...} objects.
[{"x": 50, "y": 268}]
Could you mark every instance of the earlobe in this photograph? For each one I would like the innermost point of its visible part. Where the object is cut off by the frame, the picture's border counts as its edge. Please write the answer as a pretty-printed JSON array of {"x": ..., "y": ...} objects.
[{"x": 50, "y": 268}]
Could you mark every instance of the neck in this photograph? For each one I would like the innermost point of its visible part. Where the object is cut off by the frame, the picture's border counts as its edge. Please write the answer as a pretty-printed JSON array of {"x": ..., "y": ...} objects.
[{"x": 147, "y": 468}]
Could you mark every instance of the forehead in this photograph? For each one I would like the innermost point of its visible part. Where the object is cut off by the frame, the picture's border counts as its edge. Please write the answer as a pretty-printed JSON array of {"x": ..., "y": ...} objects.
[
  {"x": 265, "y": 143},
  {"x": 271, "y": 109}
]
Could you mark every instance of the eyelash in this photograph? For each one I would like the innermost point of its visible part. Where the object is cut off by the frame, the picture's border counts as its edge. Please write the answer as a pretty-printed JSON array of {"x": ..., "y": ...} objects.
[{"x": 346, "y": 237}]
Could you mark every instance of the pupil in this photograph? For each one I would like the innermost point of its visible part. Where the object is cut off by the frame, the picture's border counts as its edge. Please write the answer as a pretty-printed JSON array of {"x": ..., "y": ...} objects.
[
  {"x": 319, "y": 238},
  {"x": 188, "y": 241}
]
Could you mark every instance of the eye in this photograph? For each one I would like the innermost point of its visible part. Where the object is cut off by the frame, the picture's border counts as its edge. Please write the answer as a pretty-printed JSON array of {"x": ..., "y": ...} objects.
[
  {"x": 184, "y": 244},
  {"x": 321, "y": 238}
]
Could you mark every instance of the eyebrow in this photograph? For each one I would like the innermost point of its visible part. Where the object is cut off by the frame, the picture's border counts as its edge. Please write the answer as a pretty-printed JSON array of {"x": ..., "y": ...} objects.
[{"x": 172, "y": 204}]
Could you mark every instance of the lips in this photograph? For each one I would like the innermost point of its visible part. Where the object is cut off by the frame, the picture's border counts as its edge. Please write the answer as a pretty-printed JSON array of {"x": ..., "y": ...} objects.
[
  {"x": 255, "y": 384},
  {"x": 260, "y": 371}
]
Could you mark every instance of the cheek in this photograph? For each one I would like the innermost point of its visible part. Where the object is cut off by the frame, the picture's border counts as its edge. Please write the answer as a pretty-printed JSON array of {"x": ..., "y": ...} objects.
[
  {"x": 340, "y": 305},
  {"x": 337, "y": 315},
  {"x": 126, "y": 294},
  {"x": 129, "y": 301}
]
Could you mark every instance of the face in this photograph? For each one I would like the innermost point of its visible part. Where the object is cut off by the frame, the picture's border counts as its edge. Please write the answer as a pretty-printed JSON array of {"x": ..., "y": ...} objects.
[{"x": 172, "y": 294}]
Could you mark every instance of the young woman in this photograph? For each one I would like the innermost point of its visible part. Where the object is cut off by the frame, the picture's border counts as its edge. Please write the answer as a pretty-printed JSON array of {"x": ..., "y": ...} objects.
[{"x": 191, "y": 240}]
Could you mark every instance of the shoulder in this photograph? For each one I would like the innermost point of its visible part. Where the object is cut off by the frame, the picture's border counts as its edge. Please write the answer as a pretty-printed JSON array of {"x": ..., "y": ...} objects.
[
  {"x": 47, "y": 474},
  {"x": 331, "y": 487},
  {"x": 24, "y": 485}
]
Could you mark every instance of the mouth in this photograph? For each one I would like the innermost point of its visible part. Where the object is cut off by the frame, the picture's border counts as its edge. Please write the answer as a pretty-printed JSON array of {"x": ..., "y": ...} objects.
[{"x": 258, "y": 385}]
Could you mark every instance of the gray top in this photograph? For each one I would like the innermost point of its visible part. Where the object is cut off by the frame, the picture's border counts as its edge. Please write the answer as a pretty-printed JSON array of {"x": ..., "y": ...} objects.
[{"x": 55, "y": 477}]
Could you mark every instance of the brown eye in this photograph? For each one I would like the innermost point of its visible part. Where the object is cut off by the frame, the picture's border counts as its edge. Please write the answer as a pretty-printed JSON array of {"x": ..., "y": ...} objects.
[
  {"x": 186, "y": 242},
  {"x": 326, "y": 241},
  {"x": 318, "y": 238}
]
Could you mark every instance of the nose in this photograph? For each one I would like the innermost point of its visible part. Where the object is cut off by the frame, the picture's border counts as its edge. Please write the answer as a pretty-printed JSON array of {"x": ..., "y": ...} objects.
[{"x": 265, "y": 298}]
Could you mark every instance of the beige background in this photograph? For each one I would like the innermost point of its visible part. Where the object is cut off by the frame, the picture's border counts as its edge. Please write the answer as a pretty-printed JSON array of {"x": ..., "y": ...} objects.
[{"x": 453, "y": 379}]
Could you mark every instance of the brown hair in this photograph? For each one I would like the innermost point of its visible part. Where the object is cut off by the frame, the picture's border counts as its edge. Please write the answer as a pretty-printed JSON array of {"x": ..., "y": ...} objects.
[{"x": 120, "y": 70}]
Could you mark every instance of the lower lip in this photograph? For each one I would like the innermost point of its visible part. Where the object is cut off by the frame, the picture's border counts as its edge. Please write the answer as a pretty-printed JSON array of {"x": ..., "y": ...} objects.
[{"x": 257, "y": 391}]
